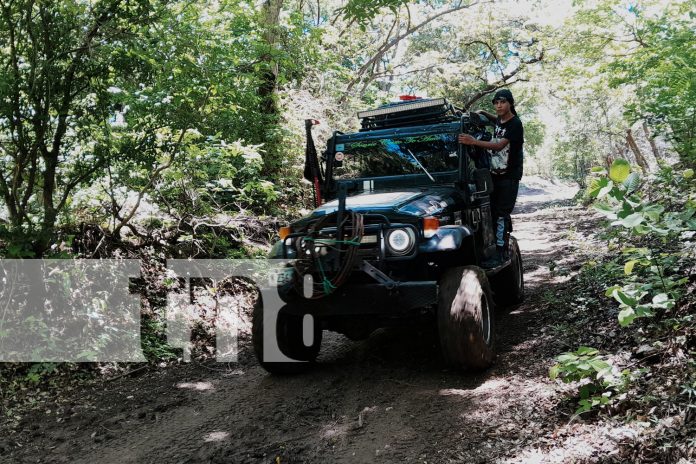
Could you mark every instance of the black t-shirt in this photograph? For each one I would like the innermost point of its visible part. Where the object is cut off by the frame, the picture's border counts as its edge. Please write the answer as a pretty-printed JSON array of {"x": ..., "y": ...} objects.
[{"x": 508, "y": 162}]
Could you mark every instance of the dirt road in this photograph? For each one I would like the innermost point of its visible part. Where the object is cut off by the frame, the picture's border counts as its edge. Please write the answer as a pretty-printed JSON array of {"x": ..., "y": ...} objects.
[{"x": 387, "y": 399}]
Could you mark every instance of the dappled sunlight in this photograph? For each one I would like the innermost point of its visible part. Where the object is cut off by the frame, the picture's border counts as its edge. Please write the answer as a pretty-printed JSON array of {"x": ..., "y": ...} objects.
[
  {"x": 539, "y": 275},
  {"x": 455, "y": 392},
  {"x": 196, "y": 386},
  {"x": 502, "y": 409},
  {"x": 491, "y": 385},
  {"x": 335, "y": 431},
  {"x": 488, "y": 386},
  {"x": 580, "y": 442},
  {"x": 534, "y": 243},
  {"x": 216, "y": 437}
]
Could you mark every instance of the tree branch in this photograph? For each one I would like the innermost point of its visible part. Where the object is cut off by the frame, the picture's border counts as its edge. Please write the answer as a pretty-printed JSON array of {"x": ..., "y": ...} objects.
[
  {"x": 155, "y": 175},
  {"x": 395, "y": 41}
]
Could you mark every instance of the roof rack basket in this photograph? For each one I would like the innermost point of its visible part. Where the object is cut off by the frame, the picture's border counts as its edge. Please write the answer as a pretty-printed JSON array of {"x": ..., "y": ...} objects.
[{"x": 408, "y": 113}]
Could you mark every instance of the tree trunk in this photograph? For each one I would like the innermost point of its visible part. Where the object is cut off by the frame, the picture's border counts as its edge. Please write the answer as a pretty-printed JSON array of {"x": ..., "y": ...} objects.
[
  {"x": 50, "y": 213},
  {"x": 636, "y": 151},
  {"x": 651, "y": 140},
  {"x": 269, "y": 75},
  {"x": 268, "y": 84}
]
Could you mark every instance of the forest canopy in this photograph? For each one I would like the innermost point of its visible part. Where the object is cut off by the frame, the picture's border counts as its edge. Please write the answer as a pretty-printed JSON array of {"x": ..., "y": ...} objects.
[{"x": 113, "y": 112}]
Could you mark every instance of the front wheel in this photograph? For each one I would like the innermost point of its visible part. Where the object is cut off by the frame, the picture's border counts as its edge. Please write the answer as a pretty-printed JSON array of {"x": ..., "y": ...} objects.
[
  {"x": 290, "y": 333},
  {"x": 465, "y": 318}
]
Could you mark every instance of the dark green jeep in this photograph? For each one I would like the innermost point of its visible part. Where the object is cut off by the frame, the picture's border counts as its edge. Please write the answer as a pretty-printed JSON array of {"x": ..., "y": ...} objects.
[{"x": 402, "y": 224}]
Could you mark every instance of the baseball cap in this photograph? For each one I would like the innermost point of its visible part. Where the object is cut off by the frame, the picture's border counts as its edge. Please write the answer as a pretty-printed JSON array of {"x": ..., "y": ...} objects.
[{"x": 504, "y": 93}]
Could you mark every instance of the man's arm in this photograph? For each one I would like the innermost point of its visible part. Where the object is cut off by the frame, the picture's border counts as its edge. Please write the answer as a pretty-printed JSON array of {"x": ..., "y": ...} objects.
[
  {"x": 489, "y": 116},
  {"x": 498, "y": 145}
]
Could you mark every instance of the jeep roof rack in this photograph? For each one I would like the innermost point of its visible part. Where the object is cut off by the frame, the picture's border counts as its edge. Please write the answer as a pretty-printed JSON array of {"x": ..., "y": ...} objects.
[{"x": 409, "y": 112}]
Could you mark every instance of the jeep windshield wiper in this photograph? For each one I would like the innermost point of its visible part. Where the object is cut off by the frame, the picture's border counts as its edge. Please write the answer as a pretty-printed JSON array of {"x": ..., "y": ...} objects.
[{"x": 419, "y": 164}]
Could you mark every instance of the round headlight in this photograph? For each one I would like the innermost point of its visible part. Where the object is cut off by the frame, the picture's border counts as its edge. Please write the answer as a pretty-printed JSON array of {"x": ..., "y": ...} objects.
[{"x": 400, "y": 241}]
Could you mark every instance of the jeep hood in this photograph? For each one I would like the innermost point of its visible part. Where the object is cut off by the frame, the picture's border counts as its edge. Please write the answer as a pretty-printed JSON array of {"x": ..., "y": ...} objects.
[{"x": 413, "y": 201}]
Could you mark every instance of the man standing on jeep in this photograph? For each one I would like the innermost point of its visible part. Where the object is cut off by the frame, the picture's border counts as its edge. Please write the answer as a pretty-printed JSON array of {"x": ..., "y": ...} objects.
[{"x": 505, "y": 150}]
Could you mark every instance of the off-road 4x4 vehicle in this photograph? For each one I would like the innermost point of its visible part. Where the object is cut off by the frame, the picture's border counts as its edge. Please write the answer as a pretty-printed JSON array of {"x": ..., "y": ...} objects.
[{"x": 402, "y": 224}]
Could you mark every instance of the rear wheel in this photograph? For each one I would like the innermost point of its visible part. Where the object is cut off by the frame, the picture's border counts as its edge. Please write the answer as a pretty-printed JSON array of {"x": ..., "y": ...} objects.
[
  {"x": 465, "y": 318},
  {"x": 508, "y": 284},
  {"x": 290, "y": 337}
]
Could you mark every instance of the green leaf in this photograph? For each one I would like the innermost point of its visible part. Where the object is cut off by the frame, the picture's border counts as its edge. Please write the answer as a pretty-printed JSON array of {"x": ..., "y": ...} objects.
[
  {"x": 626, "y": 316},
  {"x": 688, "y": 173},
  {"x": 598, "y": 169},
  {"x": 596, "y": 185},
  {"x": 599, "y": 365},
  {"x": 632, "y": 182},
  {"x": 633, "y": 202},
  {"x": 610, "y": 290},
  {"x": 628, "y": 267},
  {"x": 619, "y": 170},
  {"x": 566, "y": 357},
  {"x": 642, "y": 229},
  {"x": 658, "y": 230},
  {"x": 632, "y": 220},
  {"x": 643, "y": 311},
  {"x": 554, "y": 371},
  {"x": 653, "y": 212},
  {"x": 688, "y": 214},
  {"x": 624, "y": 299},
  {"x": 604, "y": 191},
  {"x": 608, "y": 211},
  {"x": 585, "y": 405},
  {"x": 586, "y": 351},
  {"x": 662, "y": 301},
  {"x": 639, "y": 251}
]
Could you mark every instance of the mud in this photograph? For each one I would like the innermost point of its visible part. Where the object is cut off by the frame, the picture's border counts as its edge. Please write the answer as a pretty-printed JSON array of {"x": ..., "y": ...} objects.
[{"x": 387, "y": 399}]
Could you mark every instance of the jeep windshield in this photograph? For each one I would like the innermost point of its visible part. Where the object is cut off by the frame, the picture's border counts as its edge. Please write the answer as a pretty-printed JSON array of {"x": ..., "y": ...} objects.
[{"x": 434, "y": 153}]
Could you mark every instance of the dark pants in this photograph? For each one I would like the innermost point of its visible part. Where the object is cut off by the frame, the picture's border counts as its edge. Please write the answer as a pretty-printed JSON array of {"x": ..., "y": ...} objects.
[{"x": 503, "y": 200}]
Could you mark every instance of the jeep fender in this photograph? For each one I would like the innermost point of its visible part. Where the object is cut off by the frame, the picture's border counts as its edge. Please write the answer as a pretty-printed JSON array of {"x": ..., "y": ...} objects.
[{"x": 446, "y": 238}]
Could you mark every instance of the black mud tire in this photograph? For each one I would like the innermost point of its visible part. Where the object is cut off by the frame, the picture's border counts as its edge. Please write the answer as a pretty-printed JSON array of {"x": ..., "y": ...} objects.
[
  {"x": 465, "y": 318},
  {"x": 508, "y": 284},
  {"x": 289, "y": 337}
]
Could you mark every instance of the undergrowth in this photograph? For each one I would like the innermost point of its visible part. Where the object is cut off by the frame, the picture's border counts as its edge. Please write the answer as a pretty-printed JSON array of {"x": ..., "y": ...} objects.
[{"x": 644, "y": 372}]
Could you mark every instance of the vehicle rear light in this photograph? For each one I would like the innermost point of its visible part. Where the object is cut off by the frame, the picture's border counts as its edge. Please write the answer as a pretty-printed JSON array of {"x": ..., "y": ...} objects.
[
  {"x": 284, "y": 232},
  {"x": 430, "y": 226}
]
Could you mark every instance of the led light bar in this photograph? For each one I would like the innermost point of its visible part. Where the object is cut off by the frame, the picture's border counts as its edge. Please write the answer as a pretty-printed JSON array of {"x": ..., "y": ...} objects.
[{"x": 402, "y": 107}]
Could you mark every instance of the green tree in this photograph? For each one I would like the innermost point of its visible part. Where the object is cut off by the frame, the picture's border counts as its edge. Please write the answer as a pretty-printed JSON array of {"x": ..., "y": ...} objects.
[
  {"x": 646, "y": 49},
  {"x": 54, "y": 102},
  {"x": 135, "y": 93},
  {"x": 663, "y": 70}
]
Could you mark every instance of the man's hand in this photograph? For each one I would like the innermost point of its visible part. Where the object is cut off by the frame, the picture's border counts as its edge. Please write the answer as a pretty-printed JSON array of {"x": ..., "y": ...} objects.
[{"x": 467, "y": 139}]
